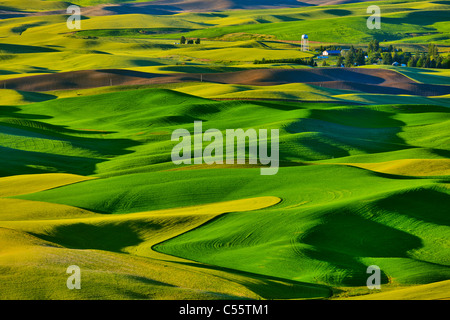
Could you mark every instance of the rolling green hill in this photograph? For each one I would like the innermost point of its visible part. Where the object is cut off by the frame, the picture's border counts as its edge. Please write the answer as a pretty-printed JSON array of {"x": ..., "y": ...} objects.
[
  {"x": 334, "y": 220},
  {"x": 86, "y": 175}
]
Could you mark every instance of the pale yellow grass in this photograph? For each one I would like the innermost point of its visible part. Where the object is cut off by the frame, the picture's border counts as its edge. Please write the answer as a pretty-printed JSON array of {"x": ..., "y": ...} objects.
[
  {"x": 29, "y": 183},
  {"x": 409, "y": 167},
  {"x": 432, "y": 291},
  {"x": 36, "y": 268}
]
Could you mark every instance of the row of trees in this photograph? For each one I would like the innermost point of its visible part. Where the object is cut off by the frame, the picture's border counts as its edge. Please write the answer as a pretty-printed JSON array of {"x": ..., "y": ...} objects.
[
  {"x": 323, "y": 48},
  {"x": 183, "y": 40},
  {"x": 352, "y": 57},
  {"x": 388, "y": 55},
  {"x": 430, "y": 59},
  {"x": 305, "y": 62}
]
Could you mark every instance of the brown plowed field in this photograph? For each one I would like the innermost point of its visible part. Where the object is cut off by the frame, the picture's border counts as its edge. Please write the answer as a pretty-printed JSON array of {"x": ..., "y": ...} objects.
[{"x": 358, "y": 80}]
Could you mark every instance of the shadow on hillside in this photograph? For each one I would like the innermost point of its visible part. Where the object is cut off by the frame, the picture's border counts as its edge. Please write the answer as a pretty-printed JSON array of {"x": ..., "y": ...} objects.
[
  {"x": 132, "y": 73},
  {"x": 4, "y": 72},
  {"x": 419, "y": 17},
  {"x": 107, "y": 236},
  {"x": 34, "y": 69},
  {"x": 12, "y": 112},
  {"x": 145, "y": 63},
  {"x": 19, "y": 48},
  {"x": 150, "y": 9},
  {"x": 344, "y": 237},
  {"x": 269, "y": 287},
  {"x": 286, "y": 18},
  {"x": 338, "y": 12},
  {"x": 28, "y": 155},
  {"x": 24, "y": 27},
  {"x": 334, "y": 133},
  {"x": 15, "y": 162},
  {"x": 170, "y": 7},
  {"x": 416, "y": 204},
  {"x": 115, "y": 237}
]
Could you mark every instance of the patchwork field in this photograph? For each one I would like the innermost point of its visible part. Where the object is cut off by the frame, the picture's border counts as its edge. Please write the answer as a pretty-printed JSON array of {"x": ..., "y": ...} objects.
[{"x": 87, "y": 178}]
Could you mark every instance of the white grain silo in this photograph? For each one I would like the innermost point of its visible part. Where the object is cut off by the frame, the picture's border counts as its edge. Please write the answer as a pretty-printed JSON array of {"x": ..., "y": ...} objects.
[{"x": 305, "y": 42}]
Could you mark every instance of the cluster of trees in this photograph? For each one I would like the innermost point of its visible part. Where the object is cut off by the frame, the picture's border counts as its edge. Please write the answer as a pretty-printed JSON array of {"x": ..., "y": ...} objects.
[
  {"x": 323, "y": 48},
  {"x": 305, "y": 62},
  {"x": 376, "y": 54},
  {"x": 352, "y": 57},
  {"x": 183, "y": 40},
  {"x": 430, "y": 59},
  {"x": 388, "y": 55}
]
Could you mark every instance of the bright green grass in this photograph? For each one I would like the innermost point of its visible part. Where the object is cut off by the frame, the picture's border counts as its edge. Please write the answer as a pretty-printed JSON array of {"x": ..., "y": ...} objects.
[
  {"x": 334, "y": 220},
  {"x": 432, "y": 291},
  {"x": 294, "y": 91},
  {"x": 327, "y": 229},
  {"x": 32, "y": 5},
  {"x": 313, "y": 236},
  {"x": 423, "y": 75},
  {"x": 46, "y": 5},
  {"x": 129, "y": 131},
  {"x": 95, "y": 2},
  {"x": 43, "y": 44},
  {"x": 116, "y": 258},
  {"x": 343, "y": 24}
]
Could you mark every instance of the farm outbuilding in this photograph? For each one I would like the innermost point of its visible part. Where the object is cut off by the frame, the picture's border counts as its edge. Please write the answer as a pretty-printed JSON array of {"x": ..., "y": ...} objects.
[{"x": 331, "y": 52}]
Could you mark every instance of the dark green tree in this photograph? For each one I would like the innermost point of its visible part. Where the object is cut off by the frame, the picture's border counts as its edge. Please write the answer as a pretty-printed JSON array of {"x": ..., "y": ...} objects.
[
  {"x": 446, "y": 63},
  {"x": 360, "y": 58},
  {"x": 432, "y": 50},
  {"x": 349, "y": 59},
  {"x": 420, "y": 62},
  {"x": 374, "y": 46},
  {"x": 432, "y": 63},
  {"x": 439, "y": 61},
  {"x": 386, "y": 58},
  {"x": 374, "y": 57}
]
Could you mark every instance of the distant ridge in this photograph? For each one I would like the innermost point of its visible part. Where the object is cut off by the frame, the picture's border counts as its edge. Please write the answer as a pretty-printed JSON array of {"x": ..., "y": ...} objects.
[{"x": 167, "y": 7}]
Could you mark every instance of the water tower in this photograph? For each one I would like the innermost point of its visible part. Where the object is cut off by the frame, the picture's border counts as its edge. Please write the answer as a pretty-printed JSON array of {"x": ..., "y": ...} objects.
[{"x": 305, "y": 42}]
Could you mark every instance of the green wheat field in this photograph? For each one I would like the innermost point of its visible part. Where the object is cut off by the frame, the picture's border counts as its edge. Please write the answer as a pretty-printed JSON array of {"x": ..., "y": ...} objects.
[{"x": 87, "y": 179}]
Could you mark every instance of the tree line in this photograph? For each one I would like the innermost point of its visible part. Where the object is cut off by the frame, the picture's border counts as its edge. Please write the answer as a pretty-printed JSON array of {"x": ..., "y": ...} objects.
[
  {"x": 391, "y": 54},
  {"x": 183, "y": 40},
  {"x": 300, "y": 61},
  {"x": 376, "y": 54}
]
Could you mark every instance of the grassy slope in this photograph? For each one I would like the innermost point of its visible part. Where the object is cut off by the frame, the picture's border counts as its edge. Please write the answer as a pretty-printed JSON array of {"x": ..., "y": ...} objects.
[
  {"x": 298, "y": 250},
  {"x": 124, "y": 135},
  {"x": 45, "y": 5},
  {"x": 325, "y": 231},
  {"x": 361, "y": 202},
  {"x": 105, "y": 240},
  {"x": 341, "y": 24},
  {"x": 432, "y": 291},
  {"x": 295, "y": 91},
  {"x": 44, "y": 33}
]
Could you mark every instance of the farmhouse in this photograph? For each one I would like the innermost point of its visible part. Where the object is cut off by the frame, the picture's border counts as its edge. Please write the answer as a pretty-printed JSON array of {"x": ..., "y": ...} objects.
[{"x": 331, "y": 52}]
